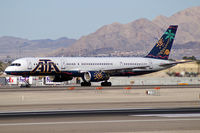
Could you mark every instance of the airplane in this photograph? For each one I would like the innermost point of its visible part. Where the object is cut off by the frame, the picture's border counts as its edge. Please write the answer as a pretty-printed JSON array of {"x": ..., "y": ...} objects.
[{"x": 98, "y": 69}]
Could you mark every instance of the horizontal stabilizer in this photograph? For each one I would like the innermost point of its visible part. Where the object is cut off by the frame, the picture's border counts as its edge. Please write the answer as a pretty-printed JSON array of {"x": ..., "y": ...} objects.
[{"x": 174, "y": 63}]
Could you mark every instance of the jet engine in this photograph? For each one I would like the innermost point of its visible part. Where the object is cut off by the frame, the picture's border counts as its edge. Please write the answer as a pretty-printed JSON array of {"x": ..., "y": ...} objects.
[
  {"x": 95, "y": 76},
  {"x": 61, "y": 78}
]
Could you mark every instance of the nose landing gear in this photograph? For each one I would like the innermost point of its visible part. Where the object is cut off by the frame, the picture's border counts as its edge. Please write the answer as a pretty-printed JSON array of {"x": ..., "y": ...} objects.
[{"x": 26, "y": 84}]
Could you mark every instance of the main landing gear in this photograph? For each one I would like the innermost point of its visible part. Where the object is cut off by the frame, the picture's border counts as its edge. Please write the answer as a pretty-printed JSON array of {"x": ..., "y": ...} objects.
[
  {"x": 85, "y": 83},
  {"x": 102, "y": 83},
  {"x": 106, "y": 83}
]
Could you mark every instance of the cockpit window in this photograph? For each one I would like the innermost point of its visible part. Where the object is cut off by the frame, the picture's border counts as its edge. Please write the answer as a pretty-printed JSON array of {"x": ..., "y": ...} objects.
[{"x": 15, "y": 64}]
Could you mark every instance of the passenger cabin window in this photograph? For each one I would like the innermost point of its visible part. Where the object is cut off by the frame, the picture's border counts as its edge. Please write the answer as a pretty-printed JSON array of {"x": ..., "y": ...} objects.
[
  {"x": 70, "y": 63},
  {"x": 15, "y": 64},
  {"x": 96, "y": 64}
]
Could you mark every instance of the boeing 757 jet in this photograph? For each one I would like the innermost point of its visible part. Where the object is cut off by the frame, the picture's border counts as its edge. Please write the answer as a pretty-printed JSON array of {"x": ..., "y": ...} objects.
[{"x": 97, "y": 69}]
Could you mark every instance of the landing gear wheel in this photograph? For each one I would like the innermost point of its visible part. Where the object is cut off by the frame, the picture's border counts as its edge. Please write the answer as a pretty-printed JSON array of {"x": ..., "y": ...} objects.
[
  {"x": 85, "y": 84},
  {"x": 106, "y": 84}
]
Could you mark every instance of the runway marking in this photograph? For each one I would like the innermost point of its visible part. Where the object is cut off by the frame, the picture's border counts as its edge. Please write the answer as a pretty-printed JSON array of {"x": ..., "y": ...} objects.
[
  {"x": 170, "y": 115},
  {"x": 94, "y": 122}
]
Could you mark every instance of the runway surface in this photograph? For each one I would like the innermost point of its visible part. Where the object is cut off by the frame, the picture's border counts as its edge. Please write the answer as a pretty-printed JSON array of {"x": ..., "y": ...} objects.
[
  {"x": 98, "y": 99},
  {"x": 81, "y": 98},
  {"x": 175, "y": 123}
]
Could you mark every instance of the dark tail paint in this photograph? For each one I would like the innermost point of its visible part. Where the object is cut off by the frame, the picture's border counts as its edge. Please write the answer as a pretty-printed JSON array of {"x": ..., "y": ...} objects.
[{"x": 162, "y": 48}]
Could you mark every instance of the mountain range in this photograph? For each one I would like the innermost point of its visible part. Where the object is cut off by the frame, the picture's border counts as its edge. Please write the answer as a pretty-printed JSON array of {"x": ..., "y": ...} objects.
[
  {"x": 132, "y": 39},
  {"x": 138, "y": 37},
  {"x": 14, "y": 47}
]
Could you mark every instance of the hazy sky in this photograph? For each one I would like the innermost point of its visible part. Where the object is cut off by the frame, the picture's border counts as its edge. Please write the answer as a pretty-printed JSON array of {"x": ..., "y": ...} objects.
[{"x": 42, "y": 19}]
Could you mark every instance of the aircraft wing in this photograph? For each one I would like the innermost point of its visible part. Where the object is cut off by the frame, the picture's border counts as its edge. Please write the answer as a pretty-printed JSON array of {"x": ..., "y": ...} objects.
[
  {"x": 174, "y": 63},
  {"x": 123, "y": 69}
]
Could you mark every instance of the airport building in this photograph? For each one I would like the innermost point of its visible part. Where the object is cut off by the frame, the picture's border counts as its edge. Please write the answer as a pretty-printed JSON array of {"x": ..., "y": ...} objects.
[{"x": 45, "y": 81}]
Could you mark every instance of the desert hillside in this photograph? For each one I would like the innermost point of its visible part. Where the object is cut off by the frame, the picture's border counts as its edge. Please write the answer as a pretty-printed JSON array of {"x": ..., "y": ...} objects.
[{"x": 138, "y": 37}]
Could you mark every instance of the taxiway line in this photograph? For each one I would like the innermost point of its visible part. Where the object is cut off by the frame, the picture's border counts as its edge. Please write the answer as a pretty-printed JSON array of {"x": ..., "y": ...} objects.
[{"x": 101, "y": 121}]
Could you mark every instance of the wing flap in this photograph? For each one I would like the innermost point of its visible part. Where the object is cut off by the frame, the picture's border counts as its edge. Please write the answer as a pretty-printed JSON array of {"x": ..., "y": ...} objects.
[{"x": 124, "y": 69}]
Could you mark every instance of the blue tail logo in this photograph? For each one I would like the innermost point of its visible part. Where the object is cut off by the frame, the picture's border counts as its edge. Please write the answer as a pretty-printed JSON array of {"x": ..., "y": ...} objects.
[{"x": 163, "y": 47}]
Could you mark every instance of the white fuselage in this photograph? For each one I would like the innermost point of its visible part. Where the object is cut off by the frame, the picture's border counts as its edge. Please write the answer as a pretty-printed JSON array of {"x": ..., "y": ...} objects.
[{"x": 26, "y": 66}]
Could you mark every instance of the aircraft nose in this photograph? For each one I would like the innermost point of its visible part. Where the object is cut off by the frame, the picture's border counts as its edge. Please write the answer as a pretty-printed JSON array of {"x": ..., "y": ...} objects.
[{"x": 7, "y": 70}]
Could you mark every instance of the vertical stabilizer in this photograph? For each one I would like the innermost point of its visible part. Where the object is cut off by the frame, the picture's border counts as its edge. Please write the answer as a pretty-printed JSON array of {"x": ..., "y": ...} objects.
[{"x": 163, "y": 47}]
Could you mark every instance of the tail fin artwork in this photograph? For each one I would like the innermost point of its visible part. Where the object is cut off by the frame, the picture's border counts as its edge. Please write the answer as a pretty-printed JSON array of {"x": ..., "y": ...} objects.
[{"x": 162, "y": 48}]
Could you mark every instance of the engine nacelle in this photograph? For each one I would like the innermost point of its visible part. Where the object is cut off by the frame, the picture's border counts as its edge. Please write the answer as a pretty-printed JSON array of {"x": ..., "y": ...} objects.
[
  {"x": 61, "y": 78},
  {"x": 95, "y": 76}
]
